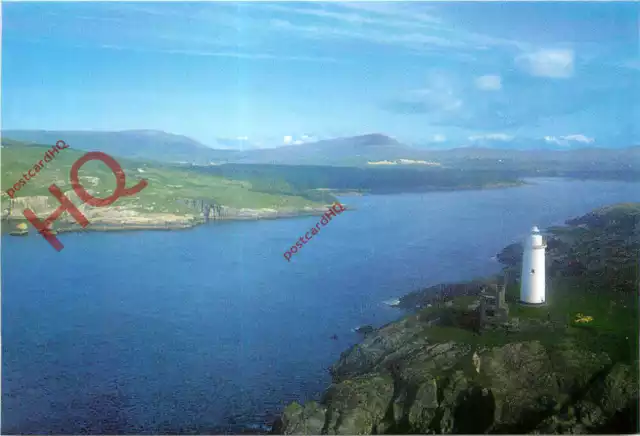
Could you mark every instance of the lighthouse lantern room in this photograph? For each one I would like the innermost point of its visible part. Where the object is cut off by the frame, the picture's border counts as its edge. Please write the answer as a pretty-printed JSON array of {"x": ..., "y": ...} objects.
[{"x": 533, "y": 280}]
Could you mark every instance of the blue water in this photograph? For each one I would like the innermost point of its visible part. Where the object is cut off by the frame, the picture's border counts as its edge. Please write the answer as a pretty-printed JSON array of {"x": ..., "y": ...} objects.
[{"x": 211, "y": 329}]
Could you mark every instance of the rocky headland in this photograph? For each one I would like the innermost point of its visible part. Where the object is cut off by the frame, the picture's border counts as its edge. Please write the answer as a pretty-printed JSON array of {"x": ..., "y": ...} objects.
[
  {"x": 541, "y": 371},
  {"x": 116, "y": 218}
]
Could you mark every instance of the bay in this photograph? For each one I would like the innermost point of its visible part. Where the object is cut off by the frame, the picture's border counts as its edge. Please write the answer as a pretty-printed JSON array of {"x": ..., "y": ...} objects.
[{"x": 211, "y": 330}]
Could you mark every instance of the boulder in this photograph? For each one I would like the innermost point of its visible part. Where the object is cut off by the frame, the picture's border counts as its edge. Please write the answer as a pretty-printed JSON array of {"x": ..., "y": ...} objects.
[
  {"x": 297, "y": 419},
  {"x": 358, "y": 406},
  {"x": 365, "y": 329}
]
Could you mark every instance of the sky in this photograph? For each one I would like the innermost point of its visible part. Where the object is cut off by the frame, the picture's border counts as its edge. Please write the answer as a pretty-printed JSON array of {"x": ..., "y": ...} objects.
[{"x": 264, "y": 74}]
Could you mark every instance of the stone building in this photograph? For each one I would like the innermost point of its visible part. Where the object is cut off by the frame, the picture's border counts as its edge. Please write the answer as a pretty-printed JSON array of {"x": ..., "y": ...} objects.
[{"x": 493, "y": 307}]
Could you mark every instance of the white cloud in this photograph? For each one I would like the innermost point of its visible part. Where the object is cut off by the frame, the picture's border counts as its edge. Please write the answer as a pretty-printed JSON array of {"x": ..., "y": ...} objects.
[
  {"x": 391, "y": 12},
  {"x": 489, "y": 83},
  {"x": 439, "y": 138},
  {"x": 242, "y": 138},
  {"x": 357, "y": 14},
  {"x": 412, "y": 40},
  {"x": 229, "y": 54},
  {"x": 297, "y": 140},
  {"x": 441, "y": 95},
  {"x": 492, "y": 137},
  {"x": 579, "y": 138},
  {"x": 547, "y": 63},
  {"x": 386, "y": 23},
  {"x": 565, "y": 140}
]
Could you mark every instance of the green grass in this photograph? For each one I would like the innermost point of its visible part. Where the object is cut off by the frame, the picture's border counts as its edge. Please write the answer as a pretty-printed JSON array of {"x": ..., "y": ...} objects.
[
  {"x": 166, "y": 185},
  {"x": 488, "y": 338},
  {"x": 614, "y": 328},
  {"x": 464, "y": 301}
]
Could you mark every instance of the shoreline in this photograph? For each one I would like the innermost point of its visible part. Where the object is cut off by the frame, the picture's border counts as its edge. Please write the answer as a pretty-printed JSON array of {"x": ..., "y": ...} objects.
[
  {"x": 182, "y": 223},
  {"x": 541, "y": 369},
  {"x": 497, "y": 185}
]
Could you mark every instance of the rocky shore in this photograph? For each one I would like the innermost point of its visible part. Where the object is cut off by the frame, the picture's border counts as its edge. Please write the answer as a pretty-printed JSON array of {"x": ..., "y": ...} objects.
[
  {"x": 388, "y": 386},
  {"x": 121, "y": 218},
  {"x": 539, "y": 372}
]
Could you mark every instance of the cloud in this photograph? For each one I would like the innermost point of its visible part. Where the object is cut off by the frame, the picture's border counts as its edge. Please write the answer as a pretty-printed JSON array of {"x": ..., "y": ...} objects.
[
  {"x": 414, "y": 40},
  {"x": 195, "y": 28},
  {"x": 235, "y": 143},
  {"x": 409, "y": 25},
  {"x": 355, "y": 14},
  {"x": 224, "y": 54},
  {"x": 492, "y": 137},
  {"x": 547, "y": 63},
  {"x": 298, "y": 140},
  {"x": 255, "y": 56},
  {"x": 579, "y": 138},
  {"x": 452, "y": 99},
  {"x": 398, "y": 11},
  {"x": 566, "y": 140},
  {"x": 439, "y": 138},
  {"x": 441, "y": 97},
  {"x": 489, "y": 83}
]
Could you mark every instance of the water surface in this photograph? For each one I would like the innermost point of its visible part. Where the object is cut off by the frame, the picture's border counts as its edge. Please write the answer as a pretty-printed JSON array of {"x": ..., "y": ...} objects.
[{"x": 211, "y": 329}]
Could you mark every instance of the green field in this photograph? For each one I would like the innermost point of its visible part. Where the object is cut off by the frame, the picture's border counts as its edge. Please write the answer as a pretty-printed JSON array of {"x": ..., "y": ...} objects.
[
  {"x": 593, "y": 265},
  {"x": 167, "y": 185},
  {"x": 614, "y": 328}
]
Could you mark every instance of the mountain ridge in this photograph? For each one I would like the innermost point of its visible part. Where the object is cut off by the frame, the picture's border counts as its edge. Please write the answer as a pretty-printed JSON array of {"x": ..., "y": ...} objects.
[{"x": 357, "y": 150}]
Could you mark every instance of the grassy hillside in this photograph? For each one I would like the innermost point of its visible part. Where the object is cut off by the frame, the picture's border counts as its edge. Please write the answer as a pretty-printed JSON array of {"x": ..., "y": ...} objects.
[
  {"x": 592, "y": 267},
  {"x": 166, "y": 185},
  {"x": 135, "y": 144},
  {"x": 301, "y": 179},
  {"x": 466, "y": 166}
]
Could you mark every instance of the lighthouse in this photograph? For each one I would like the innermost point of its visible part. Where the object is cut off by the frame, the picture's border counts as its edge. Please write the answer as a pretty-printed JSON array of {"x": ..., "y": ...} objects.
[{"x": 532, "y": 281}]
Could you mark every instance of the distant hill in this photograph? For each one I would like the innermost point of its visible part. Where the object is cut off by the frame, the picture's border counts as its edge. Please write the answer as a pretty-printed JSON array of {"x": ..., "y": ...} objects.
[
  {"x": 356, "y": 151},
  {"x": 371, "y": 140},
  {"x": 139, "y": 144},
  {"x": 351, "y": 151},
  {"x": 167, "y": 147},
  {"x": 172, "y": 190}
]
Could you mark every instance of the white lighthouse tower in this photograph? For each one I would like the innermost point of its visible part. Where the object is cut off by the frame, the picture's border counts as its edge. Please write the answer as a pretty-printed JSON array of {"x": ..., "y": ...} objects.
[{"x": 532, "y": 281}]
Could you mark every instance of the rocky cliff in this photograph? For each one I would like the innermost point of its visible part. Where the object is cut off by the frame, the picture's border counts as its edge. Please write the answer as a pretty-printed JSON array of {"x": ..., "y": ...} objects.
[
  {"x": 128, "y": 216},
  {"x": 209, "y": 210},
  {"x": 398, "y": 381},
  {"x": 100, "y": 218}
]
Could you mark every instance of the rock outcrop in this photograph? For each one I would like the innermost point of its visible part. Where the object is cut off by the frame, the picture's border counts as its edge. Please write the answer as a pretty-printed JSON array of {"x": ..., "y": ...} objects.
[
  {"x": 130, "y": 217},
  {"x": 535, "y": 373},
  {"x": 100, "y": 218},
  {"x": 403, "y": 384}
]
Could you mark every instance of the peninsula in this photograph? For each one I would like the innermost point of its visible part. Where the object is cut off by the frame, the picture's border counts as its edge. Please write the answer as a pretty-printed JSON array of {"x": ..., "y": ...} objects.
[
  {"x": 175, "y": 198},
  {"x": 570, "y": 366},
  {"x": 180, "y": 196}
]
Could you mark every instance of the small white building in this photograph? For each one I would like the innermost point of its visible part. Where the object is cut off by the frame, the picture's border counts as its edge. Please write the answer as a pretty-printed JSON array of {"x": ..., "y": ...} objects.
[{"x": 533, "y": 279}]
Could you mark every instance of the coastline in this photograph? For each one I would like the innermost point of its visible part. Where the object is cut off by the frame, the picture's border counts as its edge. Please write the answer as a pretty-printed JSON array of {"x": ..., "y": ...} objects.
[
  {"x": 357, "y": 193},
  {"x": 441, "y": 369},
  {"x": 123, "y": 220}
]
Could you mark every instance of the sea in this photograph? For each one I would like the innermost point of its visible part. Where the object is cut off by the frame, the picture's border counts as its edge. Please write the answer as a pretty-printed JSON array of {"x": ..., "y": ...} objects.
[{"x": 211, "y": 330}]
